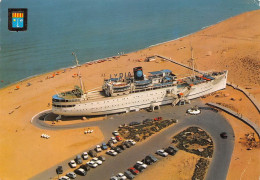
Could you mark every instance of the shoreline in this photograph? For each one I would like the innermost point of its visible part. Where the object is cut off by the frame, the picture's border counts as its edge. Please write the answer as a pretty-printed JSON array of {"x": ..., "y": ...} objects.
[{"x": 149, "y": 46}]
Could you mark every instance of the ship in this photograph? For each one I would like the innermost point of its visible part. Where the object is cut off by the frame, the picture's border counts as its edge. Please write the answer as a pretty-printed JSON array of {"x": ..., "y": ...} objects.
[{"x": 136, "y": 92}]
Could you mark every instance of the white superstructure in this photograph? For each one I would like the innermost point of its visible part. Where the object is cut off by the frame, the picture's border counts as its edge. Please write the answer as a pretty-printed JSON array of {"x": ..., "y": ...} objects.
[{"x": 135, "y": 93}]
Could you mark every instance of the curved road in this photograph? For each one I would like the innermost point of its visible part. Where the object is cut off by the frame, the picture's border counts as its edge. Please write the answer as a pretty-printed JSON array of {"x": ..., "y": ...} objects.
[{"x": 210, "y": 121}]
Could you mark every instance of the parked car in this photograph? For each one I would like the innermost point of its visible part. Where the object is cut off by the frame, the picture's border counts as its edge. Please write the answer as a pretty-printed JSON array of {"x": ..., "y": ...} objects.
[
  {"x": 64, "y": 178},
  {"x": 147, "y": 161},
  {"x": 110, "y": 143},
  {"x": 142, "y": 164},
  {"x": 162, "y": 153},
  {"x": 104, "y": 146},
  {"x": 129, "y": 175},
  {"x": 113, "y": 139},
  {"x": 121, "y": 176},
  {"x": 72, "y": 164},
  {"x": 111, "y": 152},
  {"x": 85, "y": 155},
  {"x": 115, "y": 133},
  {"x": 134, "y": 123},
  {"x": 158, "y": 118},
  {"x": 78, "y": 159},
  {"x": 139, "y": 167},
  {"x": 117, "y": 149},
  {"x": 92, "y": 164},
  {"x": 223, "y": 135},
  {"x": 92, "y": 153},
  {"x": 71, "y": 175},
  {"x": 85, "y": 167},
  {"x": 132, "y": 142},
  {"x": 122, "y": 146},
  {"x": 171, "y": 150},
  {"x": 118, "y": 138},
  {"x": 133, "y": 170},
  {"x": 81, "y": 172},
  {"x": 146, "y": 121},
  {"x": 98, "y": 148},
  {"x": 102, "y": 158},
  {"x": 97, "y": 161},
  {"x": 153, "y": 159},
  {"x": 127, "y": 144},
  {"x": 113, "y": 178},
  {"x": 59, "y": 170}
]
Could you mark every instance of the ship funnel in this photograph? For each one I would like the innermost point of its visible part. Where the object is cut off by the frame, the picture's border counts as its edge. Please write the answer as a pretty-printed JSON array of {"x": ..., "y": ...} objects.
[{"x": 138, "y": 73}]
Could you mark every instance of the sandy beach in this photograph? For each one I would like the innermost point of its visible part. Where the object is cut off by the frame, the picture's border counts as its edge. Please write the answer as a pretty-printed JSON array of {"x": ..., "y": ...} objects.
[{"x": 232, "y": 45}]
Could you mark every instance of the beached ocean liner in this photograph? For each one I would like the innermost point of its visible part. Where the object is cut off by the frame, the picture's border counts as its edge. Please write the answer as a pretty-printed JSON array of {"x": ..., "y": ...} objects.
[{"x": 137, "y": 92}]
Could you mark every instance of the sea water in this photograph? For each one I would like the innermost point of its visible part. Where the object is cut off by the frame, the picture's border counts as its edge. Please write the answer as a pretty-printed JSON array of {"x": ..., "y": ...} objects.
[{"x": 99, "y": 28}]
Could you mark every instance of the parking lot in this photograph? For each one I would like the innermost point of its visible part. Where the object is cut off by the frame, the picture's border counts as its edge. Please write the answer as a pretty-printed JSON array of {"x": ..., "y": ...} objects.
[{"x": 208, "y": 120}]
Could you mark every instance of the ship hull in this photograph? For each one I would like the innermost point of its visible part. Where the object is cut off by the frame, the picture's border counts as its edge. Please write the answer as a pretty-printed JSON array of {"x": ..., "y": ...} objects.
[{"x": 139, "y": 100}]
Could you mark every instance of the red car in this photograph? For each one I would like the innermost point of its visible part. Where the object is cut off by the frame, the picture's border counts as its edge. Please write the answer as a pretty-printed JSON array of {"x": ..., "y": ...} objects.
[
  {"x": 158, "y": 118},
  {"x": 133, "y": 170},
  {"x": 118, "y": 138}
]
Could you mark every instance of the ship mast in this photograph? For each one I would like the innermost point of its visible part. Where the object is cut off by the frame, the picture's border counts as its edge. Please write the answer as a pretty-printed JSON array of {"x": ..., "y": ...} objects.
[
  {"x": 79, "y": 74},
  {"x": 192, "y": 62}
]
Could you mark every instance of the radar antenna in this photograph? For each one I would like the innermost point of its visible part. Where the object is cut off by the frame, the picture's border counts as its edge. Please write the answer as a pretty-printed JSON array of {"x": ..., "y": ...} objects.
[{"x": 79, "y": 74}]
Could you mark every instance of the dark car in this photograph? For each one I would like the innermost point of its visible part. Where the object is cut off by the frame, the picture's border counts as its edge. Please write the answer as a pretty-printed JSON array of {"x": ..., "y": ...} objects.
[
  {"x": 139, "y": 167},
  {"x": 92, "y": 153},
  {"x": 85, "y": 167},
  {"x": 223, "y": 135},
  {"x": 81, "y": 172},
  {"x": 129, "y": 175},
  {"x": 122, "y": 146},
  {"x": 174, "y": 148},
  {"x": 134, "y": 123},
  {"x": 170, "y": 150},
  {"x": 59, "y": 170},
  {"x": 147, "y": 161},
  {"x": 153, "y": 159},
  {"x": 78, "y": 159},
  {"x": 102, "y": 158},
  {"x": 117, "y": 149},
  {"x": 133, "y": 170},
  {"x": 127, "y": 144},
  {"x": 147, "y": 121}
]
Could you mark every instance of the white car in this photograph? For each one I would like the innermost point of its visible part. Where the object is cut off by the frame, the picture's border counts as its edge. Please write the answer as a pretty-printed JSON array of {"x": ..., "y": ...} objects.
[
  {"x": 161, "y": 152},
  {"x": 98, "y": 148},
  {"x": 92, "y": 164},
  {"x": 113, "y": 139},
  {"x": 115, "y": 133},
  {"x": 97, "y": 161},
  {"x": 72, "y": 164},
  {"x": 132, "y": 142},
  {"x": 64, "y": 178},
  {"x": 142, "y": 164},
  {"x": 111, "y": 152},
  {"x": 85, "y": 155},
  {"x": 193, "y": 111},
  {"x": 121, "y": 176},
  {"x": 90, "y": 131}
]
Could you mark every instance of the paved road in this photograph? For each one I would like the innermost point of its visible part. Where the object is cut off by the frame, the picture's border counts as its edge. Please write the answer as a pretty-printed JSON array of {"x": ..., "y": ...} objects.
[{"x": 208, "y": 120}]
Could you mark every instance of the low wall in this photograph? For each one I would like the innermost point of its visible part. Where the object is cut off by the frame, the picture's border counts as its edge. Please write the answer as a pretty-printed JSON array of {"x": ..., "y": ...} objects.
[
  {"x": 238, "y": 116},
  {"x": 250, "y": 97}
]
